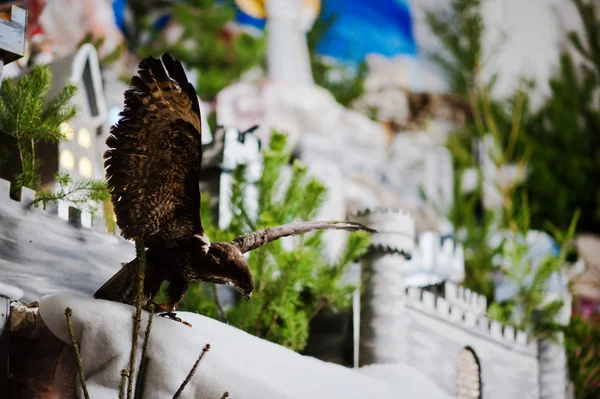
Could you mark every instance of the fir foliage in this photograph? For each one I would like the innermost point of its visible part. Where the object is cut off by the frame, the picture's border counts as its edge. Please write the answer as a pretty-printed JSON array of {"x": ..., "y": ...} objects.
[
  {"x": 209, "y": 46},
  {"x": 559, "y": 148},
  {"x": 505, "y": 121},
  {"x": 529, "y": 310},
  {"x": 291, "y": 286},
  {"x": 582, "y": 340},
  {"x": 85, "y": 194},
  {"x": 565, "y": 141},
  {"x": 28, "y": 117},
  {"x": 460, "y": 32}
]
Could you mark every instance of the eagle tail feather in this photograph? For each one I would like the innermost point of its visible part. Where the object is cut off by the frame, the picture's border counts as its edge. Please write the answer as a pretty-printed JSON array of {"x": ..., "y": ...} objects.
[{"x": 121, "y": 286}]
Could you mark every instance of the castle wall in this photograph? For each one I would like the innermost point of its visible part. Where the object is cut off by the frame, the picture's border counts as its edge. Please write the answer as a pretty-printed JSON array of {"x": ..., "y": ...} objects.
[
  {"x": 427, "y": 332},
  {"x": 42, "y": 253},
  {"x": 437, "y": 332}
]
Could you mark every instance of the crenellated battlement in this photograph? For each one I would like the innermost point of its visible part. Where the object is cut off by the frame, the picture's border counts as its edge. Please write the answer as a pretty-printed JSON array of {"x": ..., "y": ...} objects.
[
  {"x": 434, "y": 261},
  {"x": 395, "y": 228},
  {"x": 61, "y": 209},
  {"x": 465, "y": 317},
  {"x": 465, "y": 298}
]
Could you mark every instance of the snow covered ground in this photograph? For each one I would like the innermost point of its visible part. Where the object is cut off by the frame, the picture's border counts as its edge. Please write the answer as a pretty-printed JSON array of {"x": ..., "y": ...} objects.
[{"x": 239, "y": 363}]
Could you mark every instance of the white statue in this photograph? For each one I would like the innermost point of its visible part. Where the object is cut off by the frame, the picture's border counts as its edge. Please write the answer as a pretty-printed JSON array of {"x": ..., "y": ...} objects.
[{"x": 288, "y": 21}]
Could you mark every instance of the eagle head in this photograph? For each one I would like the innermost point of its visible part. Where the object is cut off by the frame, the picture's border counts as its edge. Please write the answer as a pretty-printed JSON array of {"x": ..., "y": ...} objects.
[{"x": 224, "y": 263}]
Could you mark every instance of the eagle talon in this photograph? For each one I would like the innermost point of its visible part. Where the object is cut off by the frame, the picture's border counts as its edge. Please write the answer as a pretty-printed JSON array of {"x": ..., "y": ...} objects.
[{"x": 173, "y": 316}]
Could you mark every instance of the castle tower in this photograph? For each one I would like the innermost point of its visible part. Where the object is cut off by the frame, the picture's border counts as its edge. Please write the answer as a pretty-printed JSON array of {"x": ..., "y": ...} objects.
[
  {"x": 383, "y": 325},
  {"x": 287, "y": 50}
]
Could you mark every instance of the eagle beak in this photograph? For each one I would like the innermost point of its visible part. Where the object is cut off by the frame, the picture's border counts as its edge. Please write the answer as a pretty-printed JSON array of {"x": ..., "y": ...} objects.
[{"x": 247, "y": 297}]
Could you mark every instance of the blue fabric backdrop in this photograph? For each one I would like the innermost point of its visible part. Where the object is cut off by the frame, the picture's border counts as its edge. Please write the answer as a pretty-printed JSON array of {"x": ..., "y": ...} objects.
[{"x": 362, "y": 27}]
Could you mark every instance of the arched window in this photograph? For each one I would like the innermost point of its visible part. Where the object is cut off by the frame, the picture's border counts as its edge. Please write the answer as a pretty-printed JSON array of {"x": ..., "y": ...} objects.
[{"x": 468, "y": 381}]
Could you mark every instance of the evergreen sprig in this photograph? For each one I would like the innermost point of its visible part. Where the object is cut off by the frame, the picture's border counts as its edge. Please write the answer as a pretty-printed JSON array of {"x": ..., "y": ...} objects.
[
  {"x": 582, "y": 340},
  {"x": 460, "y": 31},
  {"x": 565, "y": 133},
  {"x": 29, "y": 117},
  {"x": 85, "y": 194}
]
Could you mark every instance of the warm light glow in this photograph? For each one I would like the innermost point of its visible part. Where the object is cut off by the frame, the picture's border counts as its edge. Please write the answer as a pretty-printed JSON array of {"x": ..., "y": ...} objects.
[
  {"x": 84, "y": 138},
  {"x": 85, "y": 167},
  {"x": 67, "y": 160},
  {"x": 67, "y": 131}
]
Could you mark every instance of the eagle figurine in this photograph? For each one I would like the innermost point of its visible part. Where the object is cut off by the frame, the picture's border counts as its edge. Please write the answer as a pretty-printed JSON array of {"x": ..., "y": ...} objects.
[{"x": 152, "y": 168}]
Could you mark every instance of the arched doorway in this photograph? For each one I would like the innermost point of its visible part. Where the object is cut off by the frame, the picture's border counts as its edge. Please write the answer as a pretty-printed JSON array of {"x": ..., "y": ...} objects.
[{"x": 468, "y": 380}]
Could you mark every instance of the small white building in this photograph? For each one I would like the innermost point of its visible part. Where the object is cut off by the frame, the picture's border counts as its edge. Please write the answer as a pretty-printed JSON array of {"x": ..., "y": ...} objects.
[{"x": 78, "y": 155}]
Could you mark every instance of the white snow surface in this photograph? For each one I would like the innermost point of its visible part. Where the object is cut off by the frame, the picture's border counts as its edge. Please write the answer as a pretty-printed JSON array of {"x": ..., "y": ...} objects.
[{"x": 239, "y": 363}]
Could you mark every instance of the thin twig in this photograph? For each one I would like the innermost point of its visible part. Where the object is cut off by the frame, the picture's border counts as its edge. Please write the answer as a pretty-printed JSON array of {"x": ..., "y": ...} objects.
[
  {"x": 32, "y": 157},
  {"x": 319, "y": 307},
  {"x": 68, "y": 314},
  {"x": 148, "y": 328},
  {"x": 141, "y": 379},
  {"x": 140, "y": 383},
  {"x": 225, "y": 395},
  {"x": 124, "y": 377},
  {"x": 218, "y": 303},
  {"x": 273, "y": 321},
  {"x": 192, "y": 371},
  {"x": 140, "y": 251}
]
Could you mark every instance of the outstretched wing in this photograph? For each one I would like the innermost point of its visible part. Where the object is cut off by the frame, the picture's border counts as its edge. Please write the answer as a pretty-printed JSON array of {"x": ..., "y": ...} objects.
[
  {"x": 248, "y": 242},
  {"x": 154, "y": 155}
]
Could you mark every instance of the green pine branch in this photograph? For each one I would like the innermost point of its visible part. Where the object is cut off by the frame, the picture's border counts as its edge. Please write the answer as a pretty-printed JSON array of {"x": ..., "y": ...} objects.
[
  {"x": 28, "y": 117},
  {"x": 85, "y": 194},
  {"x": 460, "y": 31}
]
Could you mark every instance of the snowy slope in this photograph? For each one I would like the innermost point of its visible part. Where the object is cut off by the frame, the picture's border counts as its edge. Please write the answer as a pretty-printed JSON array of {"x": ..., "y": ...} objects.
[{"x": 243, "y": 365}]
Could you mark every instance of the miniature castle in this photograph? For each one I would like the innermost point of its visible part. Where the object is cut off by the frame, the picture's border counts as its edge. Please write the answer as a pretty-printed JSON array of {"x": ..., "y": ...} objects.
[{"x": 445, "y": 333}]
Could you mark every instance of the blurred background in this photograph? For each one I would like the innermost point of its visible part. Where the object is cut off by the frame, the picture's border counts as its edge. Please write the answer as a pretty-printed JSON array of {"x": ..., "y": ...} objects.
[{"x": 480, "y": 118}]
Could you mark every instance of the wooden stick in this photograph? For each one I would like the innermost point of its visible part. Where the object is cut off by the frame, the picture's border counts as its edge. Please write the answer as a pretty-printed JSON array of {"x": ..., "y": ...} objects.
[
  {"x": 140, "y": 251},
  {"x": 148, "y": 327},
  {"x": 192, "y": 371},
  {"x": 68, "y": 314},
  {"x": 124, "y": 377},
  {"x": 141, "y": 380},
  {"x": 219, "y": 307},
  {"x": 140, "y": 383}
]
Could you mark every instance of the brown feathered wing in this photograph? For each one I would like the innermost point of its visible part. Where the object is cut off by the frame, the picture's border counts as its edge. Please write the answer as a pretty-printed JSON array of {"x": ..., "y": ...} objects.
[
  {"x": 154, "y": 156},
  {"x": 257, "y": 239}
]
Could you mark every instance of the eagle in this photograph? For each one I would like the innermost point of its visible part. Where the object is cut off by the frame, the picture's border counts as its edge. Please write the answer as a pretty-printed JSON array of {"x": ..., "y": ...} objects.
[{"x": 152, "y": 168}]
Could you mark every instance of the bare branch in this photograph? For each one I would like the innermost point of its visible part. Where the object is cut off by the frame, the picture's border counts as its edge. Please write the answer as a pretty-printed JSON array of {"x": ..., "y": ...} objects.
[
  {"x": 68, "y": 314},
  {"x": 192, "y": 371}
]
